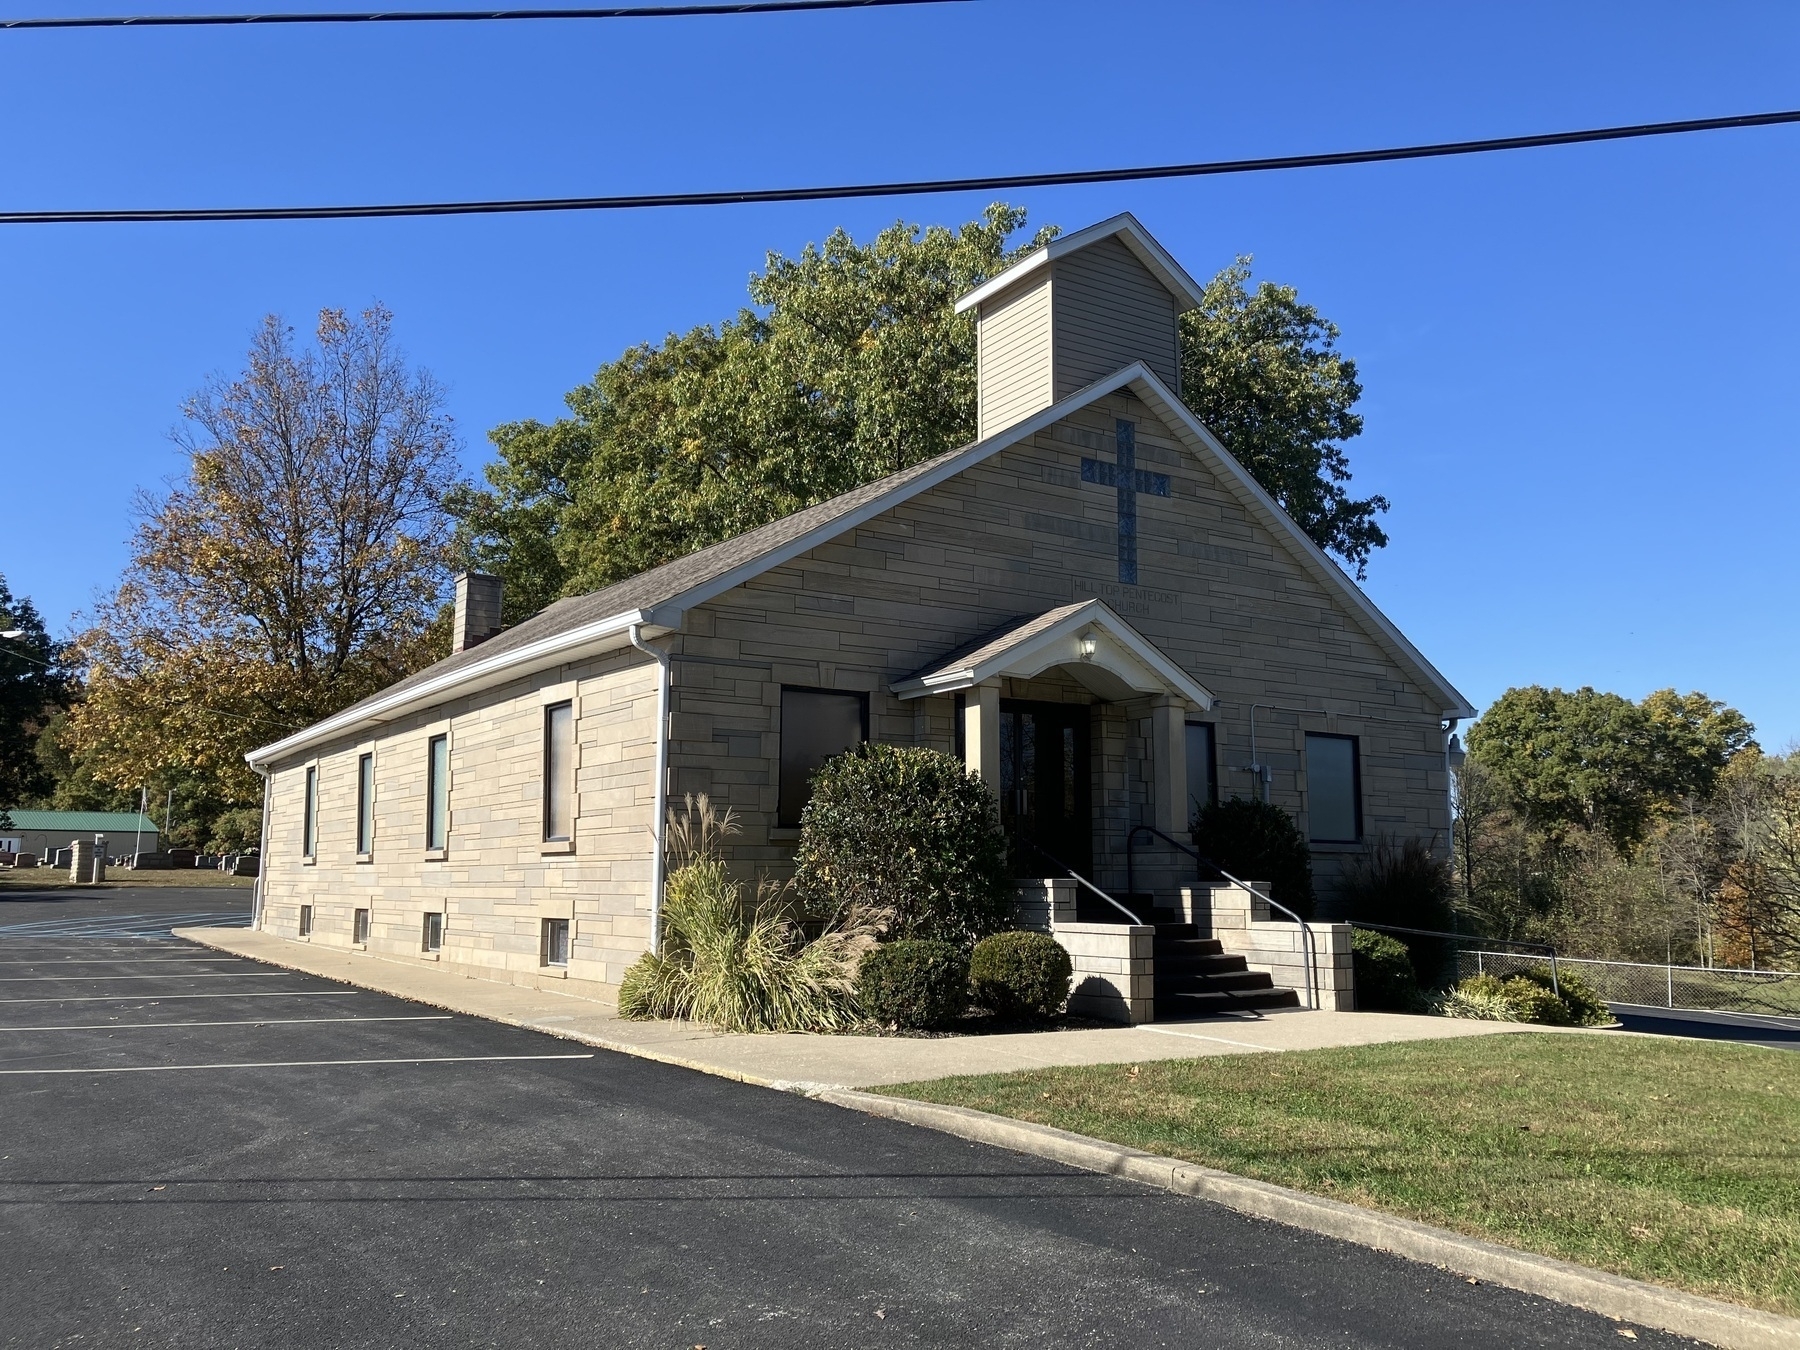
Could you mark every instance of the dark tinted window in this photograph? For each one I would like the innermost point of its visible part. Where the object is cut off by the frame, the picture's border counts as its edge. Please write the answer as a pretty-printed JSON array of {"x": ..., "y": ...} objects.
[
  {"x": 815, "y": 725},
  {"x": 1333, "y": 790}
]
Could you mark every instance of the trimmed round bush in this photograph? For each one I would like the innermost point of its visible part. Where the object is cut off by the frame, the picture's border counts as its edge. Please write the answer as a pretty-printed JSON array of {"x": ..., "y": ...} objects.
[
  {"x": 909, "y": 834},
  {"x": 1020, "y": 975},
  {"x": 915, "y": 983},
  {"x": 1385, "y": 980},
  {"x": 1258, "y": 841}
]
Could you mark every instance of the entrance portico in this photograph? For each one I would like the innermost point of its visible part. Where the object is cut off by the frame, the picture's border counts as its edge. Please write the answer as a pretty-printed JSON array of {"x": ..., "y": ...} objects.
[{"x": 1058, "y": 775}]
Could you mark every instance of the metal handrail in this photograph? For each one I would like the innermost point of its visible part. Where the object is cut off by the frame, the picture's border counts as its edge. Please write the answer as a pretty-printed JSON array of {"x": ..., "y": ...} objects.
[
  {"x": 1544, "y": 947},
  {"x": 1307, "y": 943},
  {"x": 1036, "y": 848}
]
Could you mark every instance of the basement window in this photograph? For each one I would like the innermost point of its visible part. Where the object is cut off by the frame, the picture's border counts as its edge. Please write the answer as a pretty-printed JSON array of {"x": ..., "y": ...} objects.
[
  {"x": 359, "y": 927},
  {"x": 434, "y": 932},
  {"x": 306, "y": 916},
  {"x": 556, "y": 942}
]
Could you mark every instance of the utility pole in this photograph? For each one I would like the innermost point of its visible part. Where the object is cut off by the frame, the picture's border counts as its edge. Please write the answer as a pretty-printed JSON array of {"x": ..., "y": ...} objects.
[{"x": 137, "y": 839}]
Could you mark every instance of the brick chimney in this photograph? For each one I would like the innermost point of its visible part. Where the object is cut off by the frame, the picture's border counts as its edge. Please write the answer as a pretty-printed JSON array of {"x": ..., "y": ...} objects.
[{"x": 477, "y": 610}]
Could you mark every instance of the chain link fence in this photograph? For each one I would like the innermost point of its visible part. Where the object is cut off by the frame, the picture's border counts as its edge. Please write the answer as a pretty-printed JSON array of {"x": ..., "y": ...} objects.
[{"x": 1771, "y": 993}]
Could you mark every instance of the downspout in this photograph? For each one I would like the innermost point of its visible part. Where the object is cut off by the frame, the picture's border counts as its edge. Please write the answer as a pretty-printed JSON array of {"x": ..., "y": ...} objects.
[
  {"x": 262, "y": 854},
  {"x": 661, "y": 794}
]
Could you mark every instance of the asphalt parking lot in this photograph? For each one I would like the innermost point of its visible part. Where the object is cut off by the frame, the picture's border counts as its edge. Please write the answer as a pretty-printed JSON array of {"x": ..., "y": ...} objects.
[{"x": 200, "y": 1151}]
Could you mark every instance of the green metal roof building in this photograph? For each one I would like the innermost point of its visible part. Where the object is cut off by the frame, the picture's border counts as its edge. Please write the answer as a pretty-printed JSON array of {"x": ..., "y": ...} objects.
[{"x": 38, "y": 831}]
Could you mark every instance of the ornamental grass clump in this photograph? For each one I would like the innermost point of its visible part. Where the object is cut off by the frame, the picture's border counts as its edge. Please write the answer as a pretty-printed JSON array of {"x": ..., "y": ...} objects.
[
  {"x": 738, "y": 964},
  {"x": 907, "y": 832},
  {"x": 1020, "y": 975}
]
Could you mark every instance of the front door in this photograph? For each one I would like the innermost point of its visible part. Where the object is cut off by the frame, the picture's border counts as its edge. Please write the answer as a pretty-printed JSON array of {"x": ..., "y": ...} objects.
[{"x": 1044, "y": 785}]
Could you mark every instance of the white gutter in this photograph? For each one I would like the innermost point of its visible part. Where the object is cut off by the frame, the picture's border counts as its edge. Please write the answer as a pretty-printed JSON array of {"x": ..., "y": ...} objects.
[
  {"x": 496, "y": 669},
  {"x": 262, "y": 853},
  {"x": 660, "y": 795}
]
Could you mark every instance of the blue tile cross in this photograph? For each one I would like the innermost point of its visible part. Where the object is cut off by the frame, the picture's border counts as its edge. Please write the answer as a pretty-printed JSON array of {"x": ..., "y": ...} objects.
[{"x": 1129, "y": 480}]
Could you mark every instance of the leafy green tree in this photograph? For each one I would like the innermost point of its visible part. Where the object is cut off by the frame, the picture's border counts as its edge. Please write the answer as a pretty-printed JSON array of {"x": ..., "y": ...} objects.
[
  {"x": 1599, "y": 762},
  {"x": 853, "y": 365},
  {"x": 32, "y": 689},
  {"x": 1262, "y": 372}
]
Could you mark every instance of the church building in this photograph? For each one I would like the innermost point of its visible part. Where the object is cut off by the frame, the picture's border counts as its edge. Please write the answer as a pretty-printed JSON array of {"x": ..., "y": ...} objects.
[{"x": 1093, "y": 605}]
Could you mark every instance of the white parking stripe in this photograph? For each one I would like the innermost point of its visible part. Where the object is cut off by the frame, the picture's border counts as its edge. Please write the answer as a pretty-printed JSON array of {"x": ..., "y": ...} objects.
[
  {"x": 167, "y": 998},
  {"x": 247, "y": 1022},
  {"x": 126, "y": 961},
  {"x": 196, "y": 975},
  {"x": 300, "y": 1064}
]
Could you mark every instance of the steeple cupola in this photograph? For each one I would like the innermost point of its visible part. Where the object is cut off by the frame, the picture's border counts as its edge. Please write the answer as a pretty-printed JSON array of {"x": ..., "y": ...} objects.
[{"x": 1075, "y": 311}]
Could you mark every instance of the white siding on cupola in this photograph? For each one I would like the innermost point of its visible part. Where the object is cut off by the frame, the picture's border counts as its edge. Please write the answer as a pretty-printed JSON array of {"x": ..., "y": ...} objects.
[
  {"x": 1014, "y": 356},
  {"x": 1110, "y": 311}
]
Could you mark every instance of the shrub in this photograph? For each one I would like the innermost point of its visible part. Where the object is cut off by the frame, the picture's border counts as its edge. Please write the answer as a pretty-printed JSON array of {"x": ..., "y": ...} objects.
[
  {"x": 1405, "y": 884},
  {"x": 1258, "y": 841},
  {"x": 1527, "y": 997},
  {"x": 915, "y": 983},
  {"x": 910, "y": 833},
  {"x": 1022, "y": 975},
  {"x": 1385, "y": 981},
  {"x": 1584, "y": 1005},
  {"x": 741, "y": 966}
]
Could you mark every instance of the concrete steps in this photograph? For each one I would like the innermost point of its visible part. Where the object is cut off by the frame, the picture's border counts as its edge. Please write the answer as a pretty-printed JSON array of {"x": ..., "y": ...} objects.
[{"x": 1195, "y": 978}]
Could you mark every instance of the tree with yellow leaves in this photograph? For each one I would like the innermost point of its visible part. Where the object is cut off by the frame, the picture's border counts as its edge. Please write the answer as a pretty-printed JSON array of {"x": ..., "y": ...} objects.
[{"x": 297, "y": 566}]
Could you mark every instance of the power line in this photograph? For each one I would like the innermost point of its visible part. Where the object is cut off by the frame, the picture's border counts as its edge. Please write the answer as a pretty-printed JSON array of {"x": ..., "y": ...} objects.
[
  {"x": 459, "y": 15},
  {"x": 922, "y": 187}
]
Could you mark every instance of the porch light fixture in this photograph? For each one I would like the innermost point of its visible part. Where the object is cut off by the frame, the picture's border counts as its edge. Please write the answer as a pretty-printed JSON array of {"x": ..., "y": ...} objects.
[{"x": 1087, "y": 644}]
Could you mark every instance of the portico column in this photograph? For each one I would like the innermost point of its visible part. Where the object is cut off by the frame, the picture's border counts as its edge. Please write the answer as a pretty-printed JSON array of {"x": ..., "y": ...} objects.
[
  {"x": 981, "y": 732},
  {"x": 1168, "y": 759}
]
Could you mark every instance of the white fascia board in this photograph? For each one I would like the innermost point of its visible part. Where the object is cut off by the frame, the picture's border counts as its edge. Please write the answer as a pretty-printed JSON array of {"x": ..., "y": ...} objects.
[
  {"x": 1178, "y": 415},
  {"x": 590, "y": 639},
  {"x": 1133, "y": 235}
]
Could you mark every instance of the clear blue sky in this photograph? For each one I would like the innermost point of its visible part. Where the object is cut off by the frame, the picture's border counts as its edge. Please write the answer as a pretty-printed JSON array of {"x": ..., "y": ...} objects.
[{"x": 1580, "y": 363}]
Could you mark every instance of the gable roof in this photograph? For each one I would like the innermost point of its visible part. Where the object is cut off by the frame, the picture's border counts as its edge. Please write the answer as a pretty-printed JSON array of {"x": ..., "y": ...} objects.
[
  {"x": 1126, "y": 661},
  {"x": 1134, "y": 236},
  {"x": 653, "y": 602}
]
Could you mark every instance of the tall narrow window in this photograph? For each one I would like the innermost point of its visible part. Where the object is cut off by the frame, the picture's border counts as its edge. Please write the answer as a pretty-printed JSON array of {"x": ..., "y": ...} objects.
[
  {"x": 433, "y": 936},
  {"x": 306, "y": 920},
  {"x": 365, "y": 805},
  {"x": 815, "y": 725},
  {"x": 359, "y": 927},
  {"x": 437, "y": 793},
  {"x": 1333, "y": 790},
  {"x": 559, "y": 776},
  {"x": 1202, "y": 768},
  {"x": 309, "y": 820}
]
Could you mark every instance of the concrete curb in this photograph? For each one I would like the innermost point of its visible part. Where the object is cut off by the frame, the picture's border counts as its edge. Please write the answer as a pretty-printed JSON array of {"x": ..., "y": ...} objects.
[{"x": 1646, "y": 1305}]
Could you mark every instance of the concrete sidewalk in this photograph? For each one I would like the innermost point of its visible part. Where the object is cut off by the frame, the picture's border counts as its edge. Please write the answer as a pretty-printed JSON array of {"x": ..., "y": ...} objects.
[{"x": 787, "y": 1060}]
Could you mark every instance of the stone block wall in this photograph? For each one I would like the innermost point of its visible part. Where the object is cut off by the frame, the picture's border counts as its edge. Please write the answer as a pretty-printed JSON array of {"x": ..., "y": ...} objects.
[
  {"x": 497, "y": 880},
  {"x": 1115, "y": 970},
  {"x": 1244, "y": 924}
]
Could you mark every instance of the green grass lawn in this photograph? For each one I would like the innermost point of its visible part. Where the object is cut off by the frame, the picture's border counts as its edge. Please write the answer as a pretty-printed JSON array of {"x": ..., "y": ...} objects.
[
  {"x": 57, "y": 878},
  {"x": 1664, "y": 1160}
]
